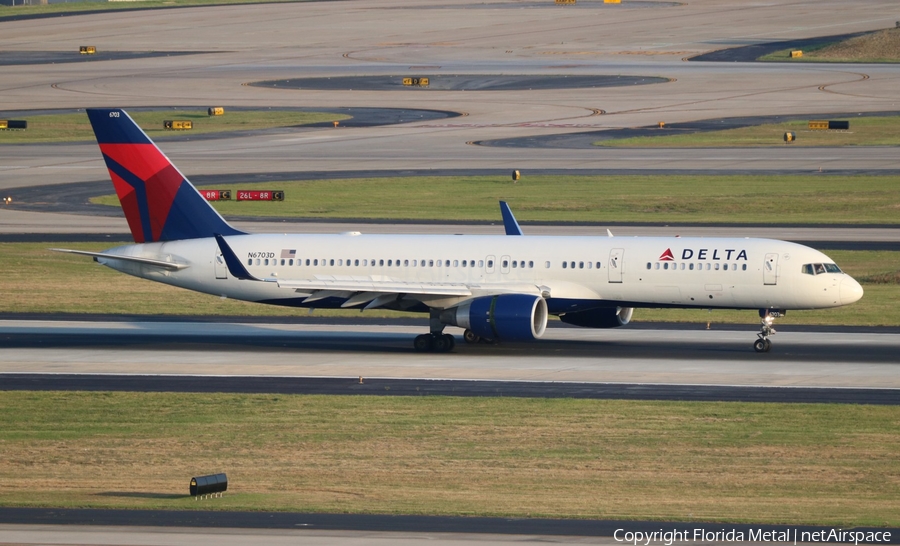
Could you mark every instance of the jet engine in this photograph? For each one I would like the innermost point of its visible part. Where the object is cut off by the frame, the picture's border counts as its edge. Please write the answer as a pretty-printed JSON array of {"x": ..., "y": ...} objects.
[
  {"x": 603, "y": 317},
  {"x": 510, "y": 317}
]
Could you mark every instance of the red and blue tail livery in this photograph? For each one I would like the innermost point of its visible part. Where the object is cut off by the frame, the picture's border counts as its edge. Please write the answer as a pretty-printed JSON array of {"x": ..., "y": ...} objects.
[{"x": 160, "y": 204}]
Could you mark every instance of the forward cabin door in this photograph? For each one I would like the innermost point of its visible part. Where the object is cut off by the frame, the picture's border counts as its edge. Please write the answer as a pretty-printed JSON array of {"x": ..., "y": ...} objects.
[
  {"x": 221, "y": 267},
  {"x": 616, "y": 264},
  {"x": 770, "y": 269}
]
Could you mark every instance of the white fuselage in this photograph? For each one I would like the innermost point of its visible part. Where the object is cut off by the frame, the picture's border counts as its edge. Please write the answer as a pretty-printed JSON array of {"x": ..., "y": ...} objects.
[{"x": 572, "y": 273}]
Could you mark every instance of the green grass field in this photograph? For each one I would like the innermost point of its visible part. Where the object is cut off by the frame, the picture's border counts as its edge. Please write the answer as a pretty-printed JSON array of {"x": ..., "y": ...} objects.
[
  {"x": 659, "y": 199},
  {"x": 873, "y": 131},
  {"x": 75, "y": 126},
  {"x": 824, "y": 464},
  {"x": 37, "y": 280}
]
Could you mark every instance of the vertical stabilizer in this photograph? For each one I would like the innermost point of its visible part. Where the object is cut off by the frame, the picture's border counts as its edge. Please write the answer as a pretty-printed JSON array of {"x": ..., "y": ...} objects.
[{"x": 160, "y": 204}]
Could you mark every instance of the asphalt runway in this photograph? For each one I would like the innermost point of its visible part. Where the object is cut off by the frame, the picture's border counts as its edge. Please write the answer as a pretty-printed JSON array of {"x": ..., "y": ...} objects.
[
  {"x": 674, "y": 357},
  {"x": 587, "y": 140},
  {"x": 73, "y": 526},
  {"x": 8, "y": 58},
  {"x": 462, "y": 82}
]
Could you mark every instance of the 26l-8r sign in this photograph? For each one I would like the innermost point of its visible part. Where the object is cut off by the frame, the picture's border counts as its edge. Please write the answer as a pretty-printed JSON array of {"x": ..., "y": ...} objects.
[{"x": 245, "y": 195}]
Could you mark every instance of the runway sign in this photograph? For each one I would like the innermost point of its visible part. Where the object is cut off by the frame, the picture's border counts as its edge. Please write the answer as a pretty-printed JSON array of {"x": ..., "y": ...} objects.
[
  {"x": 216, "y": 195},
  {"x": 178, "y": 124},
  {"x": 416, "y": 82},
  {"x": 818, "y": 125},
  {"x": 87, "y": 50},
  {"x": 216, "y": 111},
  {"x": 207, "y": 485},
  {"x": 275, "y": 195},
  {"x": 796, "y": 54},
  {"x": 13, "y": 124}
]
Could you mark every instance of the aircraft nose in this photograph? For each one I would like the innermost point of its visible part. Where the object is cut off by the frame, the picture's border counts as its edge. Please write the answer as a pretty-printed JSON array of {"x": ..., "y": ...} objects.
[{"x": 851, "y": 291}]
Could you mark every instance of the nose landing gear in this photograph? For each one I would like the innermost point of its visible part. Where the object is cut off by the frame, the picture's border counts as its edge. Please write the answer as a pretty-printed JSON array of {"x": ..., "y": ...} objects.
[{"x": 766, "y": 319}]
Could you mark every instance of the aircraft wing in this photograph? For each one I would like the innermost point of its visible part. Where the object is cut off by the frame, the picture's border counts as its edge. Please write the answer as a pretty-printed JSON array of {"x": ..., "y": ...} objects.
[
  {"x": 373, "y": 291},
  {"x": 372, "y": 284}
]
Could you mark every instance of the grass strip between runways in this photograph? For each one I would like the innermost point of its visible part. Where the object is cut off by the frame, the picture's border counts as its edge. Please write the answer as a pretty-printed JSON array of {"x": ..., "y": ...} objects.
[
  {"x": 823, "y": 464},
  {"x": 755, "y": 199}
]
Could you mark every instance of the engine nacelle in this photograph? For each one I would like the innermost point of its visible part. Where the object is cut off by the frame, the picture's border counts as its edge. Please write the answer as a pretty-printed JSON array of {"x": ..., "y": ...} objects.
[
  {"x": 510, "y": 317},
  {"x": 604, "y": 317}
]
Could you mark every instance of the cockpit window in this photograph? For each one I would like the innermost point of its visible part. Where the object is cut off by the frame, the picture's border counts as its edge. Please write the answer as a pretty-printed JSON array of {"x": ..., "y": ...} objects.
[{"x": 819, "y": 269}]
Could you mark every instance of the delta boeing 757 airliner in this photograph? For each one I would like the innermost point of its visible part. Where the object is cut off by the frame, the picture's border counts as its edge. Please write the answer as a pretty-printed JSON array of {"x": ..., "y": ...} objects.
[{"x": 497, "y": 288}]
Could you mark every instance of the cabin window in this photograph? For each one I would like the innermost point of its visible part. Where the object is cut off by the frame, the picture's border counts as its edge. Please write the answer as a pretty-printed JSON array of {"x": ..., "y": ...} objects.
[
  {"x": 691, "y": 267},
  {"x": 490, "y": 264},
  {"x": 447, "y": 263},
  {"x": 381, "y": 262},
  {"x": 531, "y": 264},
  {"x": 249, "y": 261},
  {"x": 725, "y": 267},
  {"x": 455, "y": 263},
  {"x": 717, "y": 267},
  {"x": 666, "y": 265},
  {"x": 572, "y": 265},
  {"x": 598, "y": 265},
  {"x": 744, "y": 267},
  {"x": 648, "y": 265},
  {"x": 505, "y": 264},
  {"x": 565, "y": 265},
  {"x": 266, "y": 262},
  {"x": 580, "y": 265},
  {"x": 515, "y": 264},
  {"x": 464, "y": 263},
  {"x": 546, "y": 265},
  {"x": 291, "y": 262},
  {"x": 656, "y": 266},
  {"x": 682, "y": 266}
]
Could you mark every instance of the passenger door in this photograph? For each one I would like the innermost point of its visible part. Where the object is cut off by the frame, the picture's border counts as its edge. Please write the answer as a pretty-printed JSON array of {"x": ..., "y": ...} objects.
[
  {"x": 221, "y": 268},
  {"x": 616, "y": 264},
  {"x": 770, "y": 269}
]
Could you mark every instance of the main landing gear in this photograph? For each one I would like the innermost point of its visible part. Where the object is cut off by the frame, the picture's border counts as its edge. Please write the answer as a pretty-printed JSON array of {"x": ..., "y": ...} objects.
[
  {"x": 766, "y": 318},
  {"x": 437, "y": 341},
  {"x": 434, "y": 343}
]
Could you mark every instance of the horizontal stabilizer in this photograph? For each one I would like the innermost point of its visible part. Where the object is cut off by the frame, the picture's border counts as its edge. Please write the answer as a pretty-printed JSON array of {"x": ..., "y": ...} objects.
[{"x": 170, "y": 266}]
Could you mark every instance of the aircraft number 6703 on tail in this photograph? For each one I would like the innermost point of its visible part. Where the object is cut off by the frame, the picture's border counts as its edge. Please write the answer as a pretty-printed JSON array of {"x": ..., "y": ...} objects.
[{"x": 497, "y": 288}]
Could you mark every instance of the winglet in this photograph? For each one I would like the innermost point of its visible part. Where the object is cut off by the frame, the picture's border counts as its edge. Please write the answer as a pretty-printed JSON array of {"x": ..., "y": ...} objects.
[
  {"x": 235, "y": 267},
  {"x": 509, "y": 221}
]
